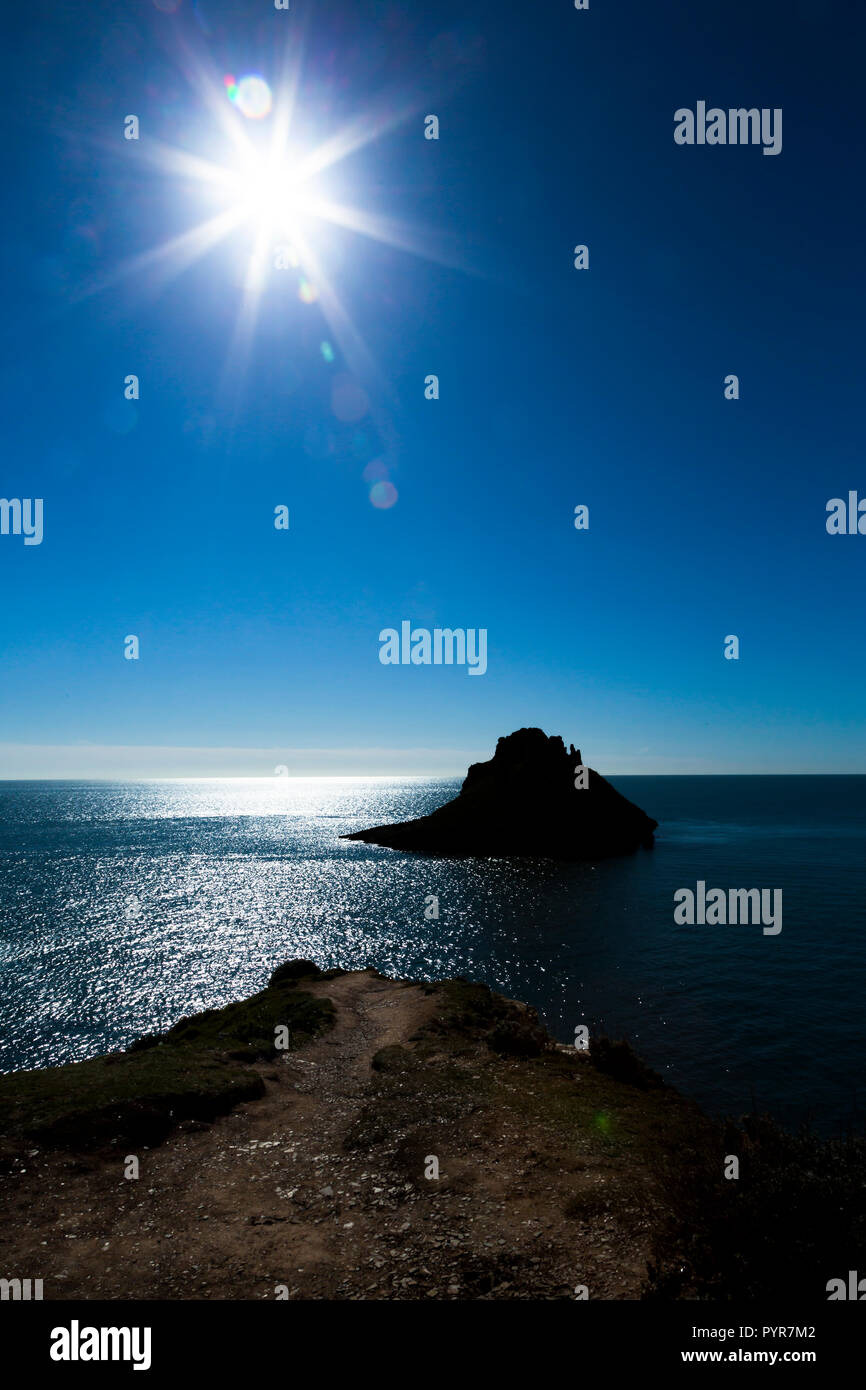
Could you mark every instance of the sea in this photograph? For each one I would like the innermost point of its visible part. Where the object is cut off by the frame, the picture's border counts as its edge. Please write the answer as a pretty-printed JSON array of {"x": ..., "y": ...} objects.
[{"x": 127, "y": 906}]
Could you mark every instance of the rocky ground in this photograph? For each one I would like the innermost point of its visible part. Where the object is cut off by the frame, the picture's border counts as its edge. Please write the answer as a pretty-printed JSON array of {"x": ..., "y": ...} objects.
[{"x": 551, "y": 1172}]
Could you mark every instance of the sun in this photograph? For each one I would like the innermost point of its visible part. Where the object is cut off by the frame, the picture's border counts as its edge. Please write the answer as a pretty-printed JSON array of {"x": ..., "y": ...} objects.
[
  {"x": 269, "y": 196},
  {"x": 253, "y": 183},
  {"x": 267, "y": 193}
]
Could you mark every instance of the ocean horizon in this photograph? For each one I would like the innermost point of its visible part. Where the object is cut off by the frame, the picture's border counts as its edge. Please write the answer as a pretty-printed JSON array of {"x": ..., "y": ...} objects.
[{"x": 125, "y": 906}]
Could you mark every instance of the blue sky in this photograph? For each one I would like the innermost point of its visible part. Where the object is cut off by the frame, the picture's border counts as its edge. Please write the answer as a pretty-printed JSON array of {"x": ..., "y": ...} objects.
[{"x": 557, "y": 387}]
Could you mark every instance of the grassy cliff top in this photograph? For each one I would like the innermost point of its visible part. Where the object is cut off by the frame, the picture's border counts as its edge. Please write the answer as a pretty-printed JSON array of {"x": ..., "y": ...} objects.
[{"x": 414, "y": 1140}]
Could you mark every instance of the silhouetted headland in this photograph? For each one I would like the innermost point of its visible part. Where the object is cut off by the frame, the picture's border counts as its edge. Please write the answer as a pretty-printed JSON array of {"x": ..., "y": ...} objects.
[{"x": 533, "y": 797}]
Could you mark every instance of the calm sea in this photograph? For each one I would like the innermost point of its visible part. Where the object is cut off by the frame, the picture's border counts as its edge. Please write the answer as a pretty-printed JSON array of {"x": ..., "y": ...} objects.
[{"x": 124, "y": 907}]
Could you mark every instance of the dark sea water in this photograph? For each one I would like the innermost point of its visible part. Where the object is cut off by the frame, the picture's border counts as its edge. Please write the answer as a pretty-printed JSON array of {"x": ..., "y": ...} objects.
[{"x": 124, "y": 907}]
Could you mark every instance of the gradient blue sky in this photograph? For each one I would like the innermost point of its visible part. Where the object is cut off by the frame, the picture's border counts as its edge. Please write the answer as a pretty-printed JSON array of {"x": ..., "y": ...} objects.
[{"x": 557, "y": 387}]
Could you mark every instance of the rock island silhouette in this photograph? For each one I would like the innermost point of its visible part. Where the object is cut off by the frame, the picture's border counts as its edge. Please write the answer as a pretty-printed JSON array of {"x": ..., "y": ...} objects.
[{"x": 533, "y": 797}]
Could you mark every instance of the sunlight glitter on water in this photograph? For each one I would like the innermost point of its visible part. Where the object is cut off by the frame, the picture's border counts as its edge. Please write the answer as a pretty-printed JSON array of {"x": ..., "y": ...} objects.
[{"x": 124, "y": 907}]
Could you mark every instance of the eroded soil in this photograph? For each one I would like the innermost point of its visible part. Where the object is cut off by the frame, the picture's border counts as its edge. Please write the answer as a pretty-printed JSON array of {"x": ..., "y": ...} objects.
[{"x": 551, "y": 1174}]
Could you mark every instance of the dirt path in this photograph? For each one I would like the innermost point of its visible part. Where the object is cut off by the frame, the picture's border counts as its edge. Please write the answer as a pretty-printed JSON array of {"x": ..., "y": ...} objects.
[{"x": 321, "y": 1188}]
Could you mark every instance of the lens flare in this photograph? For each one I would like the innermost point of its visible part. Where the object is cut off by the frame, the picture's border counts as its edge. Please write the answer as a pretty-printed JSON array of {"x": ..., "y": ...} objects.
[
  {"x": 252, "y": 97},
  {"x": 375, "y": 472},
  {"x": 383, "y": 495},
  {"x": 349, "y": 400},
  {"x": 267, "y": 192}
]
